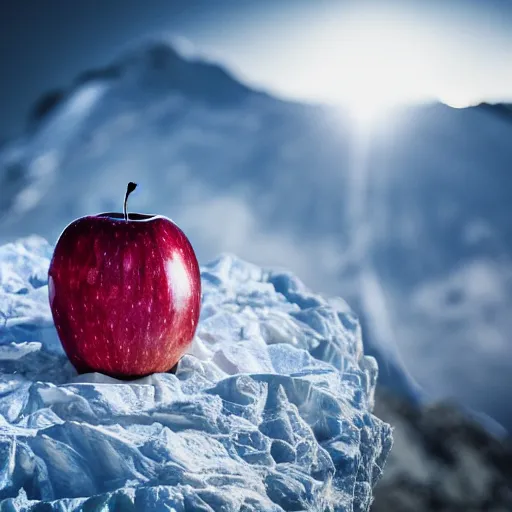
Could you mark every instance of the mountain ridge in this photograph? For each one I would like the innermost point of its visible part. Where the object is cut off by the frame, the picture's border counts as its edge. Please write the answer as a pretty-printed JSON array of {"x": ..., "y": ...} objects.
[{"x": 159, "y": 53}]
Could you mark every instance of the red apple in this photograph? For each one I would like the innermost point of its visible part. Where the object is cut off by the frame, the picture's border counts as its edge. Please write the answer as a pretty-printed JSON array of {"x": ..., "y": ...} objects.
[{"x": 125, "y": 293}]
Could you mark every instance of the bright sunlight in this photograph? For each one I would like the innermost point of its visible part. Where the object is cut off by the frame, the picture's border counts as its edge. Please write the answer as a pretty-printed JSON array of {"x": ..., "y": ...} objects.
[
  {"x": 375, "y": 71},
  {"x": 370, "y": 65}
]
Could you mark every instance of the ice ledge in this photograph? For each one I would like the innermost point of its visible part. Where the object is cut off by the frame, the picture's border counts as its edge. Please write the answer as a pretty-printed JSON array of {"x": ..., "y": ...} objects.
[{"x": 271, "y": 410}]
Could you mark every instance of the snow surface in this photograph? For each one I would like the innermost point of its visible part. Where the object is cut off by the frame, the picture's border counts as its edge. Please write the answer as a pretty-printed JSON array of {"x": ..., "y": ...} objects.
[{"x": 269, "y": 411}]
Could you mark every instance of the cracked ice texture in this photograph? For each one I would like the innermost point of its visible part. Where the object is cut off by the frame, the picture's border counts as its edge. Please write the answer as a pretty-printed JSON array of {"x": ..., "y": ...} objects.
[{"x": 270, "y": 410}]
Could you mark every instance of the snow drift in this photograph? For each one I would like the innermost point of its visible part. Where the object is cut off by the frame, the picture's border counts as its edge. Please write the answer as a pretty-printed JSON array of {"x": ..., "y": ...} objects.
[{"x": 270, "y": 410}]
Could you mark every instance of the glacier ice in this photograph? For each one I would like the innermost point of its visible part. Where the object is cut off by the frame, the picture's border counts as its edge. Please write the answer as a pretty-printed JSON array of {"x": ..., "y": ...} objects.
[{"x": 270, "y": 410}]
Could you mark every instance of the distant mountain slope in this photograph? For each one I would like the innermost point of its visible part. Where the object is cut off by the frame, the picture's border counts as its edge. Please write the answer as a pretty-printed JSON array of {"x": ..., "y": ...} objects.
[
  {"x": 441, "y": 462},
  {"x": 501, "y": 109},
  {"x": 410, "y": 223}
]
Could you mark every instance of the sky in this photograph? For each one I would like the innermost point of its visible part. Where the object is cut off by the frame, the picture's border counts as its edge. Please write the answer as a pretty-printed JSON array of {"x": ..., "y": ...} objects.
[{"x": 362, "y": 53}]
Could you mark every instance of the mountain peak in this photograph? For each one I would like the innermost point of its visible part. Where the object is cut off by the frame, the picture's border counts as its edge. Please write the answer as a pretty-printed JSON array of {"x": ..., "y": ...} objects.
[{"x": 154, "y": 62}]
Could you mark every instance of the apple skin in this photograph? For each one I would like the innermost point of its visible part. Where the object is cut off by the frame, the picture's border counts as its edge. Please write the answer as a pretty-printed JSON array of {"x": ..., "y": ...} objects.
[{"x": 125, "y": 295}]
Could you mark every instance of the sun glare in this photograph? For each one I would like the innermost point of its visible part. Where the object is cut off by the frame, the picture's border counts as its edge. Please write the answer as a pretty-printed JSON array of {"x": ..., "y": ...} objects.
[
  {"x": 367, "y": 111},
  {"x": 456, "y": 101},
  {"x": 367, "y": 68},
  {"x": 376, "y": 73}
]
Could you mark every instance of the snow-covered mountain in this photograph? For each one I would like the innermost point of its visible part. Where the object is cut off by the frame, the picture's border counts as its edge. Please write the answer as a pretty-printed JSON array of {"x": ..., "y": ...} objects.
[
  {"x": 409, "y": 223},
  {"x": 269, "y": 411}
]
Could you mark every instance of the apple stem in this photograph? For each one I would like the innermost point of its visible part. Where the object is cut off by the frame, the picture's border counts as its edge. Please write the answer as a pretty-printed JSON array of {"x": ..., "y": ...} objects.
[{"x": 129, "y": 189}]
